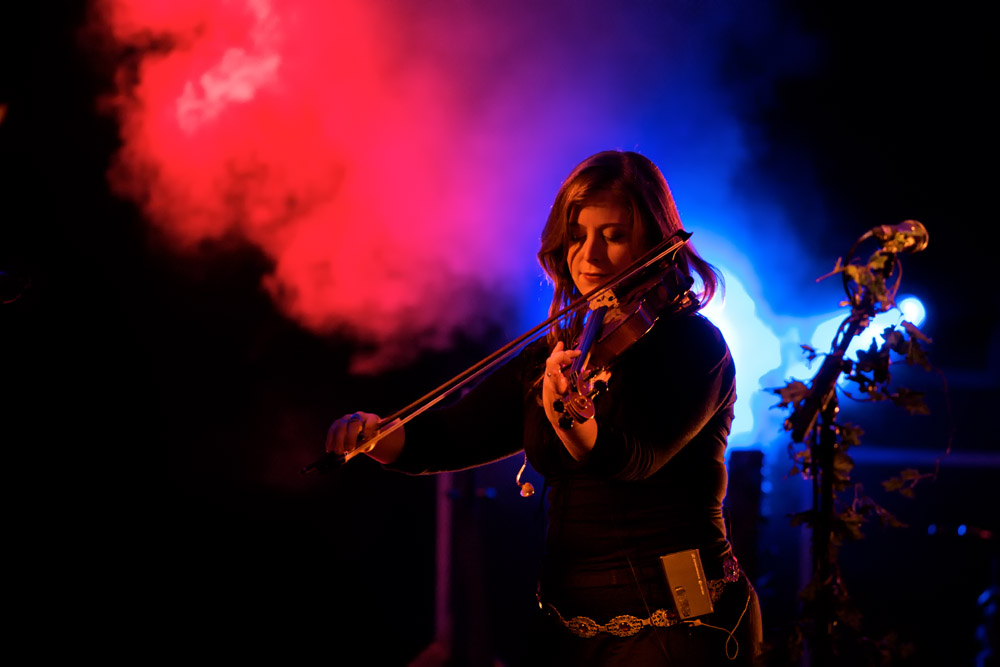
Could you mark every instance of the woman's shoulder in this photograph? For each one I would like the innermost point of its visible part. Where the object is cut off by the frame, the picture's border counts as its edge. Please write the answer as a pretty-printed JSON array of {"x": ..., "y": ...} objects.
[
  {"x": 695, "y": 329},
  {"x": 692, "y": 341}
]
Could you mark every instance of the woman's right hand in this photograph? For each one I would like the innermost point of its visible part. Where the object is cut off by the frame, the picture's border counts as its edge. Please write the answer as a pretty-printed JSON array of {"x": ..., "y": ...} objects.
[{"x": 355, "y": 430}]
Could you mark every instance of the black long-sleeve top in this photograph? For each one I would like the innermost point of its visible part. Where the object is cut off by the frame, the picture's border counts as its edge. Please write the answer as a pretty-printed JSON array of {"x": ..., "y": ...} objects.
[{"x": 655, "y": 480}]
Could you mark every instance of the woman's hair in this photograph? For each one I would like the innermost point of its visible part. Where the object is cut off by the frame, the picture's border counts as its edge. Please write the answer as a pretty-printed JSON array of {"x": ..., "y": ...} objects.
[{"x": 633, "y": 182}]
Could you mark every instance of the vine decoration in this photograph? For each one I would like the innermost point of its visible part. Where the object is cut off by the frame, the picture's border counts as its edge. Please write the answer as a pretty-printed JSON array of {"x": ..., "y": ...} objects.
[
  {"x": 870, "y": 372},
  {"x": 829, "y": 622}
]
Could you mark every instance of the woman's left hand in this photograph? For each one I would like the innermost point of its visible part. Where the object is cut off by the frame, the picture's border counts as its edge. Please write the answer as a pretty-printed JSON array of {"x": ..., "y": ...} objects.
[
  {"x": 579, "y": 439},
  {"x": 555, "y": 384}
]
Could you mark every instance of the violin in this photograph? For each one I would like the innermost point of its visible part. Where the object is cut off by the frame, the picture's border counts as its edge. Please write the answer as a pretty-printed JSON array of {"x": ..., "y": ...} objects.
[
  {"x": 612, "y": 327},
  {"x": 622, "y": 310}
]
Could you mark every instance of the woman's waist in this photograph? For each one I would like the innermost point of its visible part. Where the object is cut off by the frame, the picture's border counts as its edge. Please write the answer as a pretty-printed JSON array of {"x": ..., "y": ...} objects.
[
  {"x": 598, "y": 545},
  {"x": 638, "y": 587},
  {"x": 583, "y": 506},
  {"x": 715, "y": 560}
]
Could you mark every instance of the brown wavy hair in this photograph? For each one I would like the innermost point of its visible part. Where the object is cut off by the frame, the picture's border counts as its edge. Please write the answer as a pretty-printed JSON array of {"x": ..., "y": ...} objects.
[{"x": 636, "y": 184}]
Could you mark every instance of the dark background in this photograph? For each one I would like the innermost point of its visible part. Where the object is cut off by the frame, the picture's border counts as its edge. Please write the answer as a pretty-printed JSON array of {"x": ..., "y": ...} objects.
[{"x": 143, "y": 393}]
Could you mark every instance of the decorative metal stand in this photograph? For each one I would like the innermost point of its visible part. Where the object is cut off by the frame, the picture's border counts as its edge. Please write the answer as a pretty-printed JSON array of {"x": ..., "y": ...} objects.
[{"x": 868, "y": 292}]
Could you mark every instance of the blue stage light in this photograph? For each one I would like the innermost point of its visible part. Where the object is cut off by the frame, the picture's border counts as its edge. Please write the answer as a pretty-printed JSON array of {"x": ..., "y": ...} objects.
[
  {"x": 755, "y": 347},
  {"x": 913, "y": 310},
  {"x": 908, "y": 308}
]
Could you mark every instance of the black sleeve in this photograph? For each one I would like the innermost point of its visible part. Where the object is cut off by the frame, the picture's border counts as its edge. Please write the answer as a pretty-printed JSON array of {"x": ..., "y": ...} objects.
[
  {"x": 676, "y": 386},
  {"x": 483, "y": 426}
]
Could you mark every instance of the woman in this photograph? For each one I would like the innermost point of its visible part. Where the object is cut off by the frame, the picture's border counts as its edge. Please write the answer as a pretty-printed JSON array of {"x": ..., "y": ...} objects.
[{"x": 643, "y": 479}]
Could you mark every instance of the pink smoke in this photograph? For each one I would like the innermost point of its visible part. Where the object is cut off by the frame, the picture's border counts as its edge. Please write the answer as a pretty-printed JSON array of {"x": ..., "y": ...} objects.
[{"x": 316, "y": 131}]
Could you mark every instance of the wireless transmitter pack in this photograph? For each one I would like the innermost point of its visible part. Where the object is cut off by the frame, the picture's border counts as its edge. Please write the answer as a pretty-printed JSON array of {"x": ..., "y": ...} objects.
[{"x": 687, "y": 583}]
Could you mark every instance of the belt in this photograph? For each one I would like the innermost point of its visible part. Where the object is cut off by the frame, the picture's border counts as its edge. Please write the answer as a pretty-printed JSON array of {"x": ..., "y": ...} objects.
[{"x": 626, "y": 625}]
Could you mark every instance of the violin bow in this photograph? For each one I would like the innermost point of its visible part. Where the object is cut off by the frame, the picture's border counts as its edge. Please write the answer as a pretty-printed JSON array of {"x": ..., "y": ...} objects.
[{"x": 397, "y": 419}]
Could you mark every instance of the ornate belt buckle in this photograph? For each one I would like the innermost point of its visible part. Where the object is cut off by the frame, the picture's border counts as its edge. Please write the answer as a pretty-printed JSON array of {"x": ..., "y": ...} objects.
[
  {"x": 624, "y": 625},
  {"x": 581, "y": 626}
]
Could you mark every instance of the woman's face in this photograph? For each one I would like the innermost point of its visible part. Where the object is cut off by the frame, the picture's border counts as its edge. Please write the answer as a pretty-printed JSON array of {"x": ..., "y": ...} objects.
[{"x": 602, "y": 242}]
